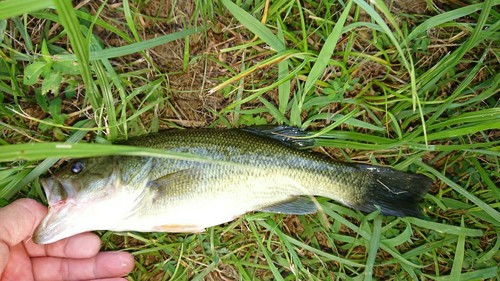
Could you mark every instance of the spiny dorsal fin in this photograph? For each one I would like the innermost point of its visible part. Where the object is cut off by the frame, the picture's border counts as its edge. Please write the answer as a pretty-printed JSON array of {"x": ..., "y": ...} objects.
[{"x": 290, "y": 136}]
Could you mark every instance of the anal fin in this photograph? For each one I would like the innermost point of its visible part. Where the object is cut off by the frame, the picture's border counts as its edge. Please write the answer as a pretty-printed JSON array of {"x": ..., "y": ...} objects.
[
  {"x": 295, "y": 206},
  {"x": 177, "y": 228}
]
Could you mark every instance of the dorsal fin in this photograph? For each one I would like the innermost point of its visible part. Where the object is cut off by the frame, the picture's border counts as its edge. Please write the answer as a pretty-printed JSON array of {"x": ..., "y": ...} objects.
[{"x": 290, "y": 136}]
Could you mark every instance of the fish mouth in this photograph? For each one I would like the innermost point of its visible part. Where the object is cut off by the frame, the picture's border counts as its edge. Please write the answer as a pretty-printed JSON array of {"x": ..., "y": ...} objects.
[
  {"x": 59, "y": 222},
  {"x": 56, "y": 225}
]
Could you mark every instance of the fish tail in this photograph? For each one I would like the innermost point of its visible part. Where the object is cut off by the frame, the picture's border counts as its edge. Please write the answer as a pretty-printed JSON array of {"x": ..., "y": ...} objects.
[{"x": 393, "y": 192}]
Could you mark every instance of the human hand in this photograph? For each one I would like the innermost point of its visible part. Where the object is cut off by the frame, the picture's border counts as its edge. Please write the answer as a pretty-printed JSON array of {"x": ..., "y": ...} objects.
[{"x": 74, "y": 258}]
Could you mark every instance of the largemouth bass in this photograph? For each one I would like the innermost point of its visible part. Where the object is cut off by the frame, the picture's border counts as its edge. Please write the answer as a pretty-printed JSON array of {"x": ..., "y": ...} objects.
[{"x": 253, "y": 170}]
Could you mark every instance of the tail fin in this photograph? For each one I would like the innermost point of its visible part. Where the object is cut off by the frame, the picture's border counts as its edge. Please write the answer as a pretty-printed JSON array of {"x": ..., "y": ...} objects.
[{"x": 394, "y": 192}]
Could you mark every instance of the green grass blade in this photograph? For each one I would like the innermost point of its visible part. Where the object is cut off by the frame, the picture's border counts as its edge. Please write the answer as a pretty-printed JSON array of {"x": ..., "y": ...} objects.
[
  {"x": 13, "y": 8},
  {"x": 390, "y": 250},
  {"x": 255, "y": 26},
  {"x": 407, "y": 62},
  {"x": 108, "y": 107},
  {"x": 341, "y": 120},
  {"x": 463, "y": 131},
  {"x": 258, "y": 239},
  {"x": 445, "y": 17},
  {"x": 277, "y": 115},
  {"x": 318, "y": 252},
  {"x": 134, "y": 47},
  {"x": 490, "y": 273},
  {"x": 130, "y": 21},
  {"x": 387, "y": 30},
  {"x": 325, "y": 55},
  {"x": 489, "y": 255},
  {"x": 284, "y": 89},
  {"x": 12, "y": 188},
  {"x": 430, "y": 78},
  {"x": 404, "y": 237},
  {"x": 485, "y": 177},
  {"x": 239, "y": 93},
  {"x": 485, "y": 207},
  {"x": 80, "y": 45},
  {"x": 444, "y": 228},
  {"x": 41, "y": 151},
  {"x": 459, "y": 90},
  {"x": 373, "y": 248},
  {"x": 458, "y": 258},
  {"x": 21, "y": 27}
]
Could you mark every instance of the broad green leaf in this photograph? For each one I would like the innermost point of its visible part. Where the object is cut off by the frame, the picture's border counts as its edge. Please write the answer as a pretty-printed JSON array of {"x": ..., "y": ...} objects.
[{"x": 33, "y": 71}]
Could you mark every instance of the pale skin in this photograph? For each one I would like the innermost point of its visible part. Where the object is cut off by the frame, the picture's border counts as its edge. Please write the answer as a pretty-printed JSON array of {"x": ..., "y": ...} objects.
[{"x": 73, "y": 258}]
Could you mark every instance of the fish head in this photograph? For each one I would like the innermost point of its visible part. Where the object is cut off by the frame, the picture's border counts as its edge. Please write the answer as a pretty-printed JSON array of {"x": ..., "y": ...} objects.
[{"x": 81, "y": 197}]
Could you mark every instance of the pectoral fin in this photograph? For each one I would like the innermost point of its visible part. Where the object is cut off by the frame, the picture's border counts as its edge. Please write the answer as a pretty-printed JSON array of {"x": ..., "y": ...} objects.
[
  {"x": 295, "y": 206},
  {"x": 174, "y": 181}
]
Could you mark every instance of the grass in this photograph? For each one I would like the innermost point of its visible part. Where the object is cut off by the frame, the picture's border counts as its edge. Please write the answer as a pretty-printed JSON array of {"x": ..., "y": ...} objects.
[{"x": 415, "y": 87}]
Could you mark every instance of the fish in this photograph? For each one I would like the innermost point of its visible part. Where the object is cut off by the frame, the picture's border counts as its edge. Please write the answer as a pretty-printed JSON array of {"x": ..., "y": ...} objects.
[{"x": 268, "y": 169}]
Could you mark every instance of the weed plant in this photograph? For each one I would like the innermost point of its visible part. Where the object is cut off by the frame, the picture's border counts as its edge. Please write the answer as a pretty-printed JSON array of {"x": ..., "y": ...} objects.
[{"x": 408, "y": 84}]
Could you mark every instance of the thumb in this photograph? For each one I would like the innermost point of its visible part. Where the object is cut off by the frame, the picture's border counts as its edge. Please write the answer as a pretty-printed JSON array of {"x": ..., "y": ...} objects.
[{"x": 19, "y": 220}]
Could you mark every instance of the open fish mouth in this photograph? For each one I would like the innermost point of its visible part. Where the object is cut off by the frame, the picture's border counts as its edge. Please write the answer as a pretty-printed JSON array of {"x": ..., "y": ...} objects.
[
  {"x": 58, "y": 222},
  {"x": 58, "y": 190},
  {"x": 72, "y": 211},
  {"x": 55, "y": 225}
]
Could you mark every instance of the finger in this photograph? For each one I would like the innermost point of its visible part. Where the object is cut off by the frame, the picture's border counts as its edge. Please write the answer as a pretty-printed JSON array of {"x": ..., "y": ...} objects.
[
  {"x": 4, "y": 256},
  {"x": 18, "y": 265},
  {"x": 84, "y": 245},
  {"x": 19, "y": 220},
  {"x": 103, "y": 265},
  {"x": 112, "y": 279}
]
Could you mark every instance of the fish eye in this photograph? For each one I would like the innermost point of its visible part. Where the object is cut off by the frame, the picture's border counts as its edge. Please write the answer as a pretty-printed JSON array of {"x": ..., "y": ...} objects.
[{"x": 77, "y": 167}]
